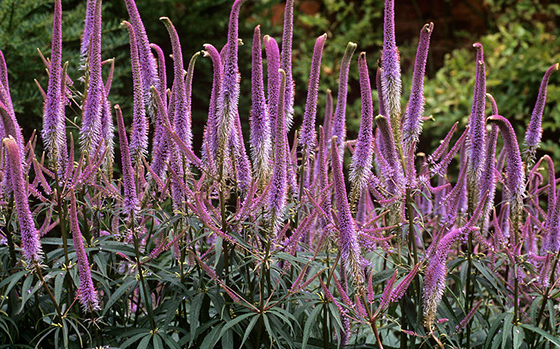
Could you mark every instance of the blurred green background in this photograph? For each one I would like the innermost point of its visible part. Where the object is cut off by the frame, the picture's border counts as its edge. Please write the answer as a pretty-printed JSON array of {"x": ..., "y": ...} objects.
[{"x": 520, "y": 38}]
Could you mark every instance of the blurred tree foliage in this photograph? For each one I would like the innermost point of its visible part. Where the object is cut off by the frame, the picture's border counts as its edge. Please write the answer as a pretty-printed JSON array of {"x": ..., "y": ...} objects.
[{"x": 520, "y": 47}]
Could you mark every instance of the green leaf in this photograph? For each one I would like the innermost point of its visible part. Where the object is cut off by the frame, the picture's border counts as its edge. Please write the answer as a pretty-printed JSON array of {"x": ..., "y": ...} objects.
[
  {"x": 196, "y": 304},
  {"x": 145, "y": 342},
  {"x": 212, "y": 338},
  {"x": 493, "y": 330},
  {"x": 12, "y": 279},
  {"x": 235, "y": 321},
  {"x": 119, "y": 293},
  {"x": 311, "y": 320},
  {"x": 158, "y": 343},
  {"x": 550, "y": 337},
  {"x": 506, "y": 329},
  {"x": 249, "y": 329}
]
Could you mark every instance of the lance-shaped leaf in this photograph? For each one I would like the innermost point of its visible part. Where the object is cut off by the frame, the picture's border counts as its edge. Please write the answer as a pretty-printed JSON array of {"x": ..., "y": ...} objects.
[
  {"x": 412, "y": 126},
  {"x": 534, "y": 130},
  {"x": 360, "y": 168},
  {"x": 87, "y": 294},
  {"x": 279, "y": 183},
  {"x": 286, "y": 61},
  {"x": 130, "y": 197},
  {"x": 259, "y": 119},
  {"x": 477, "y": 129},
  {"x": 91, "y": 110},
  {"x": 210, "y": 141},
  {"x": 515, "y": 172},
  {"x": 339, "y": 122},
  {"x": 149, "y": 72},
  {"x": 228, "y": 98},
  {"x": 391, "y": 83},
  {"x": 53, "y": 133},
  {"x": 347, "y": 240},
  {"x": 30, "y": 244},
  {"x": 139, "y": 136}
]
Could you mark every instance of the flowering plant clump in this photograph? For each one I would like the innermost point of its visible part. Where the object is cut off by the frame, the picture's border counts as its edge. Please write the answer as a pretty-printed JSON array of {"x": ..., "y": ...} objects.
[{"x": 269, "y": 242}]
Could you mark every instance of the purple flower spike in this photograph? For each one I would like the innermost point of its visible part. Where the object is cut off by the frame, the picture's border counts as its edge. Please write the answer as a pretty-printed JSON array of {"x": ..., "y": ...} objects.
[
  {"x": 278, "y": 187},
  {"x": 273, "y": 65},
  {"x": 515, "y": 173},
  {"x": 307, "y": 134},
  {"x": 86, "y": 291},
  {"x": 348, "y": 241},
  {"x": 177, "y": 104},
  {"x": 91, "y": 117},
  {"x": 162, "y": 74},
  {"x": 551, "y": 239},
  {"x": 139, "y": 137},
  {"x": 493, "y": 103},
  {"x": 211, "y": 137},
  {"x": 393, "y": 171},
  {"x": 328, "y": 120},
  {"x": 30, "y": 244},
  {"x": 391, "y": 83},
  {"x": 160, "y": 152},
  {"x": 360, "y": 168},
  {"x": 259, "y": 120},
  {"x": 150, "y": 75},
  {"x": 130, "y": 198},
  {"x": 413, "y": 115},
  {"x": 188, "y": 99},
  {"x": 88, "y": 30},
  {"x": 53, "y": 133},
  {"x": 477, "y": 128},
  {"x": 286, "y": 61},
  {"x": 534, "y": 130},
  {"x": 380, "y": 96},
  {"x": 228, "y": 98},
  {"x": 3, "y": 71},
  {"x": 489, "y": 179},
  {"x": 339, "y": 123}
]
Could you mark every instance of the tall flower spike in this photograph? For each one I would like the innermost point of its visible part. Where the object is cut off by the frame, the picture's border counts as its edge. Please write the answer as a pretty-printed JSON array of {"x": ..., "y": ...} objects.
[
  {"x": 147, "y": 61},
  {"x": 228, "y": 99},
  {"x": 339, "y": 123},
  {"x": 273, "y": 65},
  {"x": 488, "y": 180},
  {"x": 307, "y": 134},
  {"x": 413, "y": 115},
  {"x": 139, "y": 137},
  {"x": 188, "y": 99},
  {"x": 551, "y": 239},
  {"x": 130, "y": 198},
  {"x": 477, "y": 130},
  {"x": 88, "y": 30},
  {"x": 286, "y": 61},
  {"x": 53, "y": 133},
  {"x": 393, "y": 172},
  {"x": 360, "y": 168},
  {"x": 160, "y": 145},
  {"x": 91, "y": 115},
  {"x": 391, "y": 84},
  {"x": 534, "y": 130},
  {"x": 348, "y": 241},
  {"x": 279, "y": 187},
  {"x": 87, "y": 294},
  {"x": 259, "y": 119},
  {"x": 30, "y": 244},
  {"x": 210, "y": 139},
  {"x": 515, "y": 174},
  {"x": 328, "y": 120},
  {"x": 3, "y": 71}
]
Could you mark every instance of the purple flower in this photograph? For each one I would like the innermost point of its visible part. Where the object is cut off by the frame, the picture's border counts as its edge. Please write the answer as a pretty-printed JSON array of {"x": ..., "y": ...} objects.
[
  {"x": 286, "y": 61},
  {"x": 534, "y": 130},
  {"x": 477, "y": 129},
  {"x": 91, "y": 110},
  {"x": 360, "y": 168},
  {"x": 390, "y": 165},
  {"x": 278, "y": 186},
  {"x": 3, "y": 71},
  {"x": 413, "y": 115},
  {"x": 515, "y": 172},
  {"x": 210, "y": 142},
  {"x": 273, "y": 65},
  {"x": 307, "y": 133},
  {"x": 86, "y": 291},
  {"x": 339, "y": 123},
  {"x": 30, "y": 244},
  {"x": 347, "y": 239},
  {"x": 139, "y": 137},
  {"x": 150, "y": 75},
  {"x": 489, "y": 179},
  {"x": 160, "y": 151},
  {"x": 53, "y": 133},
  {"x": 259, "y": 119},
  {"x": 130, "y": 198},
  {"x": 391, "y": 84},
  {"x": 88, "y": 30}
]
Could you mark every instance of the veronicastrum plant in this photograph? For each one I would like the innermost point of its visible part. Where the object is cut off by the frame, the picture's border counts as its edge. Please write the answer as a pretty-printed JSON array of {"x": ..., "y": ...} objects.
[{"x": 270, "y": 242}]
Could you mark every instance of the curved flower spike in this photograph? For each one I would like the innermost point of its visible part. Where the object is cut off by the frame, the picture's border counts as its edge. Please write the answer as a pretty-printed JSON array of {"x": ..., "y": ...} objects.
[
  {"x": 286, "y": 61},
  {"x": 348, "y": 241},
  {"x": 30, "y": 244},
  {"x": 139, "y": 137},
  {"x": 261, "y": 147},
  {"x": 413, "y": 116},
  {"x": 534, "y": 130},
  {"x": 391, "y": 83},
  {"x": 210, "y": 141},
  {"x": 360, "y": 168},
  {"x": 477, "y": 125},
  {"x": 339, "y": 122},
  {"x": 130, "y": 198},
  {"x": 515, "y": 174}
]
